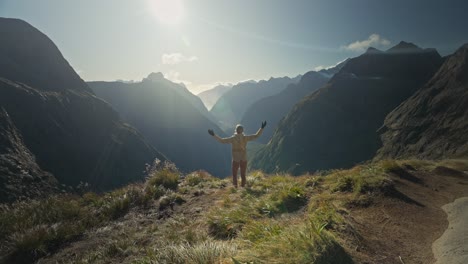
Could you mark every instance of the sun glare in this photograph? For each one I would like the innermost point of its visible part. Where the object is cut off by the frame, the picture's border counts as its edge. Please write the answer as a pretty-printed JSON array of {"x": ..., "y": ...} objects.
[{"x": 167, "y": 11}]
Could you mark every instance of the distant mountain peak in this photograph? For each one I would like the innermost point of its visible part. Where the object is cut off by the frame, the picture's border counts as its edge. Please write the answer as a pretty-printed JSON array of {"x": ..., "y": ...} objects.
[
  {"x": 464, "y": 47},
  {"x": 154, "y": 76},
  {"x": 404, "y": 46},
  {"x": 372, "y": 50}
]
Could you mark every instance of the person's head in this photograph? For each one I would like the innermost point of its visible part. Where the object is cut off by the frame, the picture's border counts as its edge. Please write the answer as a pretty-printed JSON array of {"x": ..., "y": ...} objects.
[{"x": 239, "y": 129}]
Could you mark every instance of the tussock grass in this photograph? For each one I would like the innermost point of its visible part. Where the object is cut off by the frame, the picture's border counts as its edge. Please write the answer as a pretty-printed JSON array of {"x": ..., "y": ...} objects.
[
  {"x": 360, "y": 179},
  {"x": 304, "y": 242},
  {"x": 424, "y": 165},
  {"x": 275, "y": 219},
  {"x": 207, "y": 252},
  {"x": 199, "y": 177},
  {"x": 32, "y": 229},
  {"x": 166, "y": 178},
  {"x": 170, "y": 199},
  {"x": 456, "y": 164},
  {"x": 389, "y": 165},
  {"x": 264, "y": 197},
  {"x": 323, "y": 212},
  {"x": 226, "y": 223}
]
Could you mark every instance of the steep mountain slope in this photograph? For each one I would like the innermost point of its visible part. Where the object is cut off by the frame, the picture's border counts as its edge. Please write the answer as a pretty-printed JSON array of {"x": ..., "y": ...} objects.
[
  {"x": 274, "y": 108},
  {"x": 20, "y": 176},
  {"x": 73, "y": 134},
  {"x": 433, "y": 123},
  {"x": 210, "y": 97},
  {"x": 336, "y": 126},
  {"x": 169, "y": 121},
  {"x": 158, "y": 79},
  {"x": 230, "y": 108}
]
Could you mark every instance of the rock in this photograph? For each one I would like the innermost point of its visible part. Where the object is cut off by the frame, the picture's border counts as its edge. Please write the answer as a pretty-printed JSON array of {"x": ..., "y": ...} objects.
[{"x": 433, "y": 123}]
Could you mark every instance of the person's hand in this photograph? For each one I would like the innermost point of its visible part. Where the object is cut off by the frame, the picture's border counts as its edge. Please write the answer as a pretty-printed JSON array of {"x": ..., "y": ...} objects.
[
  {"x": 211, "y": 132},
  {"x": 264, "y": 124}
]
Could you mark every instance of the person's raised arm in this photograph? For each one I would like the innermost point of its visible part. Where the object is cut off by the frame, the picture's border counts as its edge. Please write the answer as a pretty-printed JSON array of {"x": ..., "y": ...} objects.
[
  {"x": 259, "y": 132},
  {"x": 219, "y": 139}
]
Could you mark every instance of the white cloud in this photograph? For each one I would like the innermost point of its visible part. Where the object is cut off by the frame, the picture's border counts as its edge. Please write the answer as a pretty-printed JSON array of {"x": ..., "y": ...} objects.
[
  {"x": 373, "y": 40},
  {"x": 176, "y": 58},
  {"x": 322, "y": 67},
  {"x": 174, "y": 76}
]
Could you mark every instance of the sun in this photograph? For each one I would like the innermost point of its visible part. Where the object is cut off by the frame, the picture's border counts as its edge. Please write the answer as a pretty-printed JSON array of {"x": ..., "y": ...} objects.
[{"x": 167, "y": 11}]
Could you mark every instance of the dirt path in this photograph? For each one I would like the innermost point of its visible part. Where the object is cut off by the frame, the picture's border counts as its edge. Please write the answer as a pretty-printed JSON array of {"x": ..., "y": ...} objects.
[
  {"x": 402, "y": 230},
  {"x": 452, "y": 246}
]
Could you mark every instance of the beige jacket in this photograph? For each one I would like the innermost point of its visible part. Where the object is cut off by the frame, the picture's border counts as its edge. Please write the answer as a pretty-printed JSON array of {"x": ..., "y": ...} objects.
[{"x": 239, "y": 144}]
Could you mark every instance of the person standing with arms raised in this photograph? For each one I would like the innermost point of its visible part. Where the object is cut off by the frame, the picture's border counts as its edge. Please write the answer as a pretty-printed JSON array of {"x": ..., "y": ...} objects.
[{"x": 239, "y": 150}]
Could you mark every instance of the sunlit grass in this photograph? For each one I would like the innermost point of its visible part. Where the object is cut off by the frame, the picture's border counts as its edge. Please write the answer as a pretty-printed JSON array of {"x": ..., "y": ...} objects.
[{"x": 275, "y": 219}]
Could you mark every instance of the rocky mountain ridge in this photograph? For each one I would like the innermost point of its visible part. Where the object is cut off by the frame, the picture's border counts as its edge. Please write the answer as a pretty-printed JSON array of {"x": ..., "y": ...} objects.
[
  {"x": 432, "y": 124},
  {"x": 336, "y": 126}
]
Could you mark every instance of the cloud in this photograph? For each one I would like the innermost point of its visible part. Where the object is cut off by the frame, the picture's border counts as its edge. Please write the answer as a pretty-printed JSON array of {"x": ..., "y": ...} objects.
[
  {"x": 174, "y": 76},
  {"x": 322, "y": 67},
  {"x": 176, "y": 58},
  {"x": 373, "y": 40}
]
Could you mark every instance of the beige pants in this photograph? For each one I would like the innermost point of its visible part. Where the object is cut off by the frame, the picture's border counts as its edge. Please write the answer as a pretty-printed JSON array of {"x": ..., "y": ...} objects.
[{"x": 235, "y": 167}]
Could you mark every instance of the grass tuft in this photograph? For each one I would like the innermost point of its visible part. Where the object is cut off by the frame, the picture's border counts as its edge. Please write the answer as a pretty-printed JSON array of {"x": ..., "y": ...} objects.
[
  {"x": 207, "y": 252},
  {"x": 359, "y": 180},
  {"x": 165, "y": 178}
]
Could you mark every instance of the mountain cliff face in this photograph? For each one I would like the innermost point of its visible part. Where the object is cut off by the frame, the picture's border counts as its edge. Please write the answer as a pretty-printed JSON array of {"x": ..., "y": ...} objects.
[
  {"x": 230, "y": 108},
  {"x": 169, "y": 121},
  {"x": 30, "y": 57},
  {"x": 72, "y": 134},
  {"x": 210, "y": 97},
  {"x": 20, "y": 176},
  {"x": 433, "y": 123},
  {"x": 274, "y": 108},
  {"x": 336, "y": 125}
]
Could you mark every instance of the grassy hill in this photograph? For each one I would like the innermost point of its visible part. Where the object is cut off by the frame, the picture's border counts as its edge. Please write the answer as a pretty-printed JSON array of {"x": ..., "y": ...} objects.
[{"x": 341, "y": 216}]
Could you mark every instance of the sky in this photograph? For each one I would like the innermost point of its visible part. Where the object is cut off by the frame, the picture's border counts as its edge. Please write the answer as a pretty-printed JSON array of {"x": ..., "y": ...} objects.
[{"x": 205, "y": 42}]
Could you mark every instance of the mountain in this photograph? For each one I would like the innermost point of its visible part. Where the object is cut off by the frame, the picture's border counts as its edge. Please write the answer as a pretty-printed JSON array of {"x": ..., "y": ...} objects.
[
  {"x": 210, "y": 97},
  {"x": 274, "y": 108},
  {"x": 330, "y": 71},
  {"x": 433, "y": 123},
  {"x": 20, "y": 176},
  {"x": 72, "y": 134},
  {"x": 336, "y": 125},
  {"x": 170, "y": 122},
  {"x": 158, "y": 79},
  {"x": 230, "y": 108}
]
